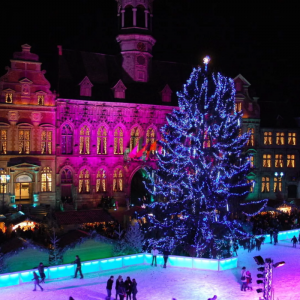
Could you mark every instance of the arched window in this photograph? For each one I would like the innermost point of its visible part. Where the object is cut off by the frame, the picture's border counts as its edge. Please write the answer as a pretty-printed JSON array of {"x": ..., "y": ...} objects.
[
  {"x": 46, "y": 144},
  {"x": 140, "y": 16},
  {"x": 118, "y": 141},
  {"x": 102, "y": 140},
  {"x": 118, "y": 180},
  {"x": 128, "y": 22},
  {"x": 150, "y": 137},
  {"x": 66, "y": 140},
  {"x": 101, "y": 181},
  {"x": 84, "y": 140},
  {"x": 134, "y": 138},
  {"x": 84, "y": 181},
  {"x": 66, "y": 176},
  {"x": 46, "y": 182}
]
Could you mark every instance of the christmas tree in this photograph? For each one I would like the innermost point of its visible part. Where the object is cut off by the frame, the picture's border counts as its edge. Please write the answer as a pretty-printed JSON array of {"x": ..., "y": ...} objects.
[{"x": 201, "y": 175}]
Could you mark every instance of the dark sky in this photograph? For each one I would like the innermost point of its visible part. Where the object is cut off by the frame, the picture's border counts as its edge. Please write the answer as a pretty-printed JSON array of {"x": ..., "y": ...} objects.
[{"x": 259, "y": 39}]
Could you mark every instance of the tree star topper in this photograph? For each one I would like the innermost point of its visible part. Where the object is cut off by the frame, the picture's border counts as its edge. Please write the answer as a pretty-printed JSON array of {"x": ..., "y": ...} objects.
[{"x": 206, "y": 59}]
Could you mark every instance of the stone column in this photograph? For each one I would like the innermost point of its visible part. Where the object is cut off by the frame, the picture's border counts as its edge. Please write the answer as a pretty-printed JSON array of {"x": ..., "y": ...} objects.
[
  {"x": 134, "y": 16},
  {"x": 122, "y": 22},
  {"x": 146, "y": 18}
]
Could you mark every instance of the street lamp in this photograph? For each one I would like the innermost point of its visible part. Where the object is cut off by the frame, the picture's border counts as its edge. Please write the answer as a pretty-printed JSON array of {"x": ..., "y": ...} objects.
[{"x": 4, "y": 180}]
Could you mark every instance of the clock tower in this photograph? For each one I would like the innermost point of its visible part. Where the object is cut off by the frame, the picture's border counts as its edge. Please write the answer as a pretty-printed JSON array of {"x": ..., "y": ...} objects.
[{"x": 135, "y": 37}]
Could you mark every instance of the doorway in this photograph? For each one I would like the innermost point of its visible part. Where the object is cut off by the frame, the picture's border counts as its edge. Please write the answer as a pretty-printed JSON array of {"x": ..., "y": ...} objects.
[
  {"x": 23, "y": 188},
  {"x": 138, "y": 190}
]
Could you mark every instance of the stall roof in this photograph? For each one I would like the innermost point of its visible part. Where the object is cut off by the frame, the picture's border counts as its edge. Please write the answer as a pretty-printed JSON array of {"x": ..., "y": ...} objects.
[{"x": 16, "y": 218}]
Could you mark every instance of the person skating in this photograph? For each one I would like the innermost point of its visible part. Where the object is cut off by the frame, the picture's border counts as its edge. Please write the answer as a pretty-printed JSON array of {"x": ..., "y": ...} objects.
[
  {"x": 128, "y": 287},
  {"x": 244, "y": 279},
  {"x": 154, "y": 253},
  {"x": 119, "y": 280},
  {"x": 166, "y": 254},
  {"x": 249, "y": 280},
  {"x": 134, "y": 289},
  {"x": 275, "y": 237},
  {"x": 109, "y": 285},
  {"x": 271, "y": 234},
  {"x": 121, "y": 290},
  {"x": 41, "y": 270},
  {"x": 78, "y": 267},
  {"x": 36, "y": 281},
  {"x": 294, "y": 240}
]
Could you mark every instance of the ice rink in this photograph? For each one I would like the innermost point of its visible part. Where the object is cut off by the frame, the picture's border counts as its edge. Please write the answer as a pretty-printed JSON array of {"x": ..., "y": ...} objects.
[{"x": 156, "y": 283}]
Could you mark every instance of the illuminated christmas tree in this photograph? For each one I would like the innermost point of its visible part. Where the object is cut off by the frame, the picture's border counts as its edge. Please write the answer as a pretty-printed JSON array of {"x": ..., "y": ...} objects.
[{"x": 201, "y": 175}]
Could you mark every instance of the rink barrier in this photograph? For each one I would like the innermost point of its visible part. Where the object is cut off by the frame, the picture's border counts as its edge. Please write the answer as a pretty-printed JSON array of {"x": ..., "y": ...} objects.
[
  {"x": 54, "y": 272},
  {"x": 282, "y": 235}
]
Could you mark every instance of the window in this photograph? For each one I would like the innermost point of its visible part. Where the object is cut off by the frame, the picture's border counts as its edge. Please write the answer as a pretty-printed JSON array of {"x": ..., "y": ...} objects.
[
  {"x": 118, "y": 180},
  {"x": 251, "y": 161},
  {"x": 290, "y": 161},
  {"x": 66, "y": 140},
  {"x": 102, "y": 140},
  {"x": 46, "y": 180},
  {"x": 267, "y": 138},
  {"x": 240, "y": 132},
  {"x": 251, "y": 186},
  {"x": 134, "y": 138},
  {"x": 84, "y": 140},
  {"x": 251, "y": 137},
  {"x": 41, "y": 99},
  {"x": 66, "y": 176},
  {"x": 150, "y": 137},
  {"x": 278, "y": 161},
  {"x": 101, "y": 181},
  {"x": 279, "y": 138},
  {"x": 207, "y": 143},
  {"x": 277, "y": 184},
  {"x": 84, "y": 181},
  {"x": 265, "y": 184},
  {"x": 8, "y": 97},
  {"x": 3, "y": 179},
  {"x": 46, "y": 144},
  {"x": 3, "y": 141},
  {"x": 238, "y": 106},
  {"x": 267, "y": 160},
  {"x": 118, "y": 141},
  {"x": 292, "y": 138},
  {"x": 24, "y": 141}
]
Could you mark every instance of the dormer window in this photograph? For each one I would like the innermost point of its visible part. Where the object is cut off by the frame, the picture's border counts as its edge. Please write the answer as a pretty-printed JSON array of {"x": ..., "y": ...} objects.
[
  {"x": 41, "y": 99},
  {"x": 119, "y": 90},
  {"x": 86, "y": 87},
  {"x": 166, "y": 94},
  {"x": 8, "y": 97}
]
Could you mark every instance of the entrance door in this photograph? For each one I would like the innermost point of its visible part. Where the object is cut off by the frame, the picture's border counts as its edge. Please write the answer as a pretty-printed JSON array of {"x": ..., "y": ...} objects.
[{"x": 23, "y": 188}]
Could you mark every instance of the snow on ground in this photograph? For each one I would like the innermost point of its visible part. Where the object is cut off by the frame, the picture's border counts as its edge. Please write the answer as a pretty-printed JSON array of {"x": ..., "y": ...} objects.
[{"x": 156, "y": 283}]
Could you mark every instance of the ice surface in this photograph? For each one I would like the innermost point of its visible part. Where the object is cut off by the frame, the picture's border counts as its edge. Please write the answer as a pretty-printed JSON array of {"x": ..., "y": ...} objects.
[{"x": 156, "y": 283}]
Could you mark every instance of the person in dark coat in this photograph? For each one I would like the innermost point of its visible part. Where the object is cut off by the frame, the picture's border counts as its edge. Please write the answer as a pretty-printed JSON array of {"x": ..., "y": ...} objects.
[
  {"x": 119, "y": 280},
  {"x": 121, "y": 291},
  {"x": 128, "y": 287},
  {"x": 294, "y": 240},
  {"x": 275, "y": 237},
  {"x": 134, "y": 289},
  {"x": 109, "y": 285},
  {"x": 166, "y": 254},
  {"x": 36, "y": 281},
  {"x": 78, "y": 267},
  {"x": 41, "y": 268}
]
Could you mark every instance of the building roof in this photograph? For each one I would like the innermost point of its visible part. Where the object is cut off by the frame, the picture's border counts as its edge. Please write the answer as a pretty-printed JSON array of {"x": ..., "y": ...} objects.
[
  {"x": 81, "y": 217},
  {"x": 104, "y": 71}
]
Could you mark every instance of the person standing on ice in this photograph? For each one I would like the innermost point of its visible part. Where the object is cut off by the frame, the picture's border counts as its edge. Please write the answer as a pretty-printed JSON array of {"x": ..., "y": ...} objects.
[
  {"x": 119, "y": 280},
  {"x": 41, "y": 268},
  {"x": 166, "y": 254},
  {"x": 244, "y": 279},
  {"x": 275, "y": 237},
  {"x": 134, "y": 288},
  {"x": 271, "y": 234},
  {"x": 78, "y": 267},
  {"x": 249, "y": 280},
  {"x": 109, "y": 285},
  {"x": 294, "y": 240},
  {"x": 36, "y": 281},
  {"x": 154, "y": 253}
]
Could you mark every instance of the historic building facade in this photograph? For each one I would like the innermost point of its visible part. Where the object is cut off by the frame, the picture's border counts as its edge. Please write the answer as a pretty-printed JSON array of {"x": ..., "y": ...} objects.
[{"x": 74, "y": 146}]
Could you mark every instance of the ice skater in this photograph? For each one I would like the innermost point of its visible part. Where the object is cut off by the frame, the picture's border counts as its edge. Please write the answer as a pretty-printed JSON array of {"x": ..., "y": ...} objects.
[
  {"x": 249, "y": 280},
  {"x": 154, "y": 253},
  {"x": 41, "y": 268},
  {"x": 121, "y": 291},
  {"x": 244, "y": 279},
  {"x": 109, "y": 285},
  {"x": 128, "y": 287},
  {"x": 294, "y": 240},
  {"x": 78, "y": 267},
  {"x": 134, "y": 289},
  {"x": 36, "y": 281},
  {"x": 166, "y": 254},
  {"x": 275, "y": 237},
  {"x": 119, "y": 280}
]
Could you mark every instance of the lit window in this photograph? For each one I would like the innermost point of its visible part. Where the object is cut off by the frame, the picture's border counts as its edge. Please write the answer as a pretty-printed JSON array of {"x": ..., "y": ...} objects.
[
  {"x": 278, "y": 161},
  {"x": 238, "y": 106},
  {"x": 291, "y": 161},
  {"x": 3, "y": 141},
  {"x": 292, "y": 138},
  {"x": 251, "y": 161},
  {"x": 46, "y": 179},
  {"x": 8, "y": 97},
  {"x": 265, "y": 184},
  {"x": 46, "y": 145},
  {"x": 267, "y": 160},
  {"x": 251, "y": 137},
  {"x": 207, "y": 143},
  {"x": 134, "y": 138},
  {"x": 24, "y": 141},
  {"x": 102, "y": 140},
  {"x": 118, "y": 180},
  {"x": 240, "y": 132},
  {"x": 267, "y": 138},
  {"x": 66, "y": 176},
  {"x": 150, "y": 137},
  {"x": 118, "y": 141},
  {"x": 101, "y": 181},
  {"x": 66, "y": 140},
  {"x": 277, "y": 184},
  {"x": 279, "y": 138},
  {"x": 84, "y": 181},
  {"x": 41, "y": 99},
  {"x": 3, "y": 181},
  {"x": 84, "y": 140},
  {"x": 251, "y": 186}
]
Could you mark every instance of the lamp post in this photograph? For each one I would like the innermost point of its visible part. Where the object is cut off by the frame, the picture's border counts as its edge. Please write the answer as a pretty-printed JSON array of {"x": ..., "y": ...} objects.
[{"x": 4, "y": 180}]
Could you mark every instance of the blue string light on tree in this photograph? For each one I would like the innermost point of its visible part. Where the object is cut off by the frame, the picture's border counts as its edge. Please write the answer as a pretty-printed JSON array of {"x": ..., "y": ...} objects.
[{"x": 201, "y": 176}]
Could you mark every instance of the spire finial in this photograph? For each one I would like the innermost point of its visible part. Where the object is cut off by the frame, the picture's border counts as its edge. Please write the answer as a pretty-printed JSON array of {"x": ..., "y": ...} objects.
[{"x": 206, "y": 60}]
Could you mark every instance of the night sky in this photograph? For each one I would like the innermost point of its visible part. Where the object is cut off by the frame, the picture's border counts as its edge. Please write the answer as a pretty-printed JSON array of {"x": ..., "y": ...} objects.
[{"x": 259, "y": 39}]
